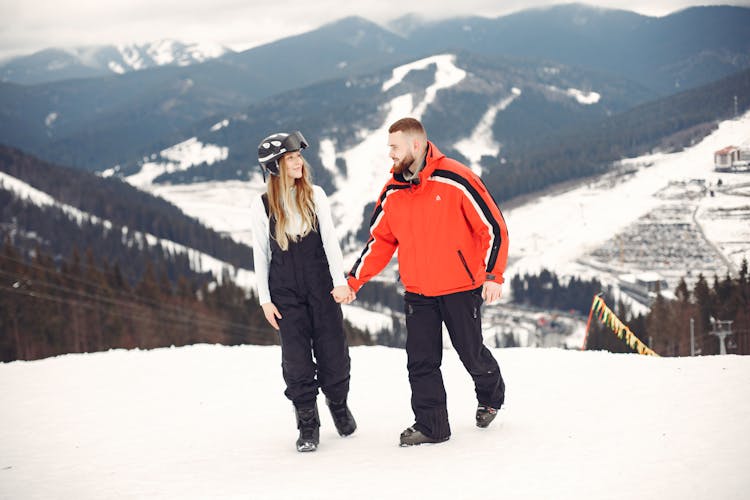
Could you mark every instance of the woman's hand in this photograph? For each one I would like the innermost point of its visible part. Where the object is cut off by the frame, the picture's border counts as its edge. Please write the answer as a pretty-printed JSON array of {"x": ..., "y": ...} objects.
[
  {"x": 343, "y": 294},
  {"x": 271, "y": 313}
]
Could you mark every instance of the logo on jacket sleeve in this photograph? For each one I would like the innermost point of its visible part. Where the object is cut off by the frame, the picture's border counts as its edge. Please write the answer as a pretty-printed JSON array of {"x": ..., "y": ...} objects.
[{"x": 437, "y": 198}]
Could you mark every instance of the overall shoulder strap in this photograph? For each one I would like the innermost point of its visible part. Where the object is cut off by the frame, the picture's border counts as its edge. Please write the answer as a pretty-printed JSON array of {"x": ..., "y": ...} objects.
[{"x": 264, "y": 197}]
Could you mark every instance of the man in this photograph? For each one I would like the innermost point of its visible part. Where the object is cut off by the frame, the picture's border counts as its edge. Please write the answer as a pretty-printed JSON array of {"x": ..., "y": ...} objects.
[{"x": 452, "y": 250}]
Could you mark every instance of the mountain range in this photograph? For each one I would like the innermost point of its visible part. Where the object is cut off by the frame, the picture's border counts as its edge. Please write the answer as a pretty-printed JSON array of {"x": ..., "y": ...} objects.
[
  {"x": 54, "y": 64},
  {"x": 98, "y": 122}
]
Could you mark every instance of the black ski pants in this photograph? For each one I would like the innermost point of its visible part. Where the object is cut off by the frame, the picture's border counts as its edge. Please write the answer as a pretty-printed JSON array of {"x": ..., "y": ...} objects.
[{"x": 461, "y": 313}]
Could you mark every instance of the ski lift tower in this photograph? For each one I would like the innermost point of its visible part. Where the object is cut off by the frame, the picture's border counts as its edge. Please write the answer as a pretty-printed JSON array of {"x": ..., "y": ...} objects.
[{"x": 722, "y": 329}]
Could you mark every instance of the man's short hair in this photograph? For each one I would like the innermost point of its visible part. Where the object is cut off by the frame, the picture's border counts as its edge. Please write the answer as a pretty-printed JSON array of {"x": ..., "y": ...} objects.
[{"x": 407, "y": 126}]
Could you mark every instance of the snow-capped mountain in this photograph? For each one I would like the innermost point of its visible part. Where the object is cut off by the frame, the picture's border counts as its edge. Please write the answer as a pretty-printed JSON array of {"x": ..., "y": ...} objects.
[
  {"x": 75, "y": 122},
  {"x": 79, "y": 62}
]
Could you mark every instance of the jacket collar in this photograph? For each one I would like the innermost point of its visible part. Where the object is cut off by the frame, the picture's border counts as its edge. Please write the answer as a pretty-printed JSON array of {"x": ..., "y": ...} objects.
[{"x": 430, "y": 162}]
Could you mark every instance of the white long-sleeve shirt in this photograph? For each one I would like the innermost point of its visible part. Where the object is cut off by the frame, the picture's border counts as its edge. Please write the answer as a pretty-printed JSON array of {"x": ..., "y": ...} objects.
[{"x": 261, "y": 245}]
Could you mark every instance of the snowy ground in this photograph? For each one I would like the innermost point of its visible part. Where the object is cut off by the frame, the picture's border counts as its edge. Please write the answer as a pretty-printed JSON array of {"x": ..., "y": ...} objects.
[{"x": 211, "y": 422}]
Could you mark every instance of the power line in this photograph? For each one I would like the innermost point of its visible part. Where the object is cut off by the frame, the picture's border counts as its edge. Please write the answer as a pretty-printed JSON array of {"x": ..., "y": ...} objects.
[
  {"x": 138, "y": 319},
  {"x": 172, "y": 311},
  {"x": 130, "y": 295},
  {"x": 96, "y": 298}
]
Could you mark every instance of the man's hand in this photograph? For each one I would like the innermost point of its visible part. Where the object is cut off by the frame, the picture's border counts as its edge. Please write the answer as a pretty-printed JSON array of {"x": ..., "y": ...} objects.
[
  {"x": 491, "y": 291},
  {"x": 343, "y": 294},
  {"x": 271, "y": 313}
]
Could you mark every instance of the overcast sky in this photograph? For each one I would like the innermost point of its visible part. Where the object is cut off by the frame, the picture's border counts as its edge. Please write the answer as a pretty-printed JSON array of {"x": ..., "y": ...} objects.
[{"x": 30, "y": 25}]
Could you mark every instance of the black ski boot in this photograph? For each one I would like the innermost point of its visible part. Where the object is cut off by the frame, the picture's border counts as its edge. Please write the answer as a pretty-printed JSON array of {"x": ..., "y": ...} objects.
[
  {"x": 413, "y": 437},
  {"x": 308, "y": 424},
  {"x": 485, "y": 415},
  {"x": 342, "y": 417}
]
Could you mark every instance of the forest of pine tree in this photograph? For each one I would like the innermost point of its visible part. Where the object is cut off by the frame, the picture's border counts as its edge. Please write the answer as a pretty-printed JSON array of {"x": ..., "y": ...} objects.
[
  {"x": 50, "y": 306},
  {"x": 666, "y": 328},
  {"x": 109, "y": 199}
]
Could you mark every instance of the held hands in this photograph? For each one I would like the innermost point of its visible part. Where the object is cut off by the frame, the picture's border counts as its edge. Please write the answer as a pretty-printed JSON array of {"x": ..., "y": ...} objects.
[
  {"x": 491, "y": 291},
  {"x": 271, "y": 313},
  {"x": 343, "y": 294}
]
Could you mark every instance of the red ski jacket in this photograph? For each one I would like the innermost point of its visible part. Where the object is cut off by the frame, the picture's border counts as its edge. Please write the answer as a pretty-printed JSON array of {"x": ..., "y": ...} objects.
[{"x": 449, "y": 231}]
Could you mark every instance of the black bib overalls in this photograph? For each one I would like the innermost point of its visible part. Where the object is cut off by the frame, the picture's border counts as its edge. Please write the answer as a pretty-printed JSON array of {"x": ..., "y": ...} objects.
[{"x": 312, "y": 323}]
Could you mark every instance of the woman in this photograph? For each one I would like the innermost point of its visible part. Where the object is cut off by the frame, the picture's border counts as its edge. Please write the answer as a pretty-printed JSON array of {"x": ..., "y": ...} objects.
[{"x": 299, "y": 270}]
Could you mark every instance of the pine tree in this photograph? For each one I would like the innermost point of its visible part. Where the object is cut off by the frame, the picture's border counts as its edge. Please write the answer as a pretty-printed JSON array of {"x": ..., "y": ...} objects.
[{"x": 12, "y": 345}]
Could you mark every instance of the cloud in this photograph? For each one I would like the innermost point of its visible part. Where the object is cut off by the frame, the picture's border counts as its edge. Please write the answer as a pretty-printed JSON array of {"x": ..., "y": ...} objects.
[{"x": 32, "y": 25}]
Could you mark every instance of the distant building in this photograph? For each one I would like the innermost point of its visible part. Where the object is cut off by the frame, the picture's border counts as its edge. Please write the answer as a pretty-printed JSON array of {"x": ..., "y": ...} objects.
[
  {"x": 732, "y": 159},
  {"x": 644, "y": 287}
]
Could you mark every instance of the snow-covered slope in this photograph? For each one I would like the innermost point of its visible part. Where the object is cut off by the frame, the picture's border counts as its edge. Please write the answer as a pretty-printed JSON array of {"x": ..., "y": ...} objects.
[
  {"x": 212, "y": 422},
  {"x": 560, "y": 230},
  {"x": 181, "y": 156}
]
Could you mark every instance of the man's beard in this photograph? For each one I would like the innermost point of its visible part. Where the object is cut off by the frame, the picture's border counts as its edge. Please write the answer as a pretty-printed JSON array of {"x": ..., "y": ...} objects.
[{"x": 400, "y": 166}]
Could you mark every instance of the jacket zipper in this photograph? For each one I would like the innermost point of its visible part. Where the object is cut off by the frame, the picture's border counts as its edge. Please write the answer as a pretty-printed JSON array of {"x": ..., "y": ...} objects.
[{"x": 466, "y": 266}]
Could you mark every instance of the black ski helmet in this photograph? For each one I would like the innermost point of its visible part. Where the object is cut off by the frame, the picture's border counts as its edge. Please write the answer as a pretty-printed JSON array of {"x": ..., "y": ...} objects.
[{"x": 274, "y": 146}]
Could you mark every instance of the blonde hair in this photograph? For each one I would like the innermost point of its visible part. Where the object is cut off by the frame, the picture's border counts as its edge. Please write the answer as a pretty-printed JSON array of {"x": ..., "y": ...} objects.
[{"x": 281, "y": 200}]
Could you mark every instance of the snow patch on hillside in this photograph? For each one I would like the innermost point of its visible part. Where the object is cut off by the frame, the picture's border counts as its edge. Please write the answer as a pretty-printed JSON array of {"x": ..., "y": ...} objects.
[
  {"x": 115, "y": 67},
  {"x": 447, "y": 75},
  {"x": 446, "y": 70},
  {"x": 581, "y": 96},
  {"x": 51, "y": 119},
  {"x": 218, "y": 126},
  {"x": 181, "y": 156},
  {"x": 328, "y": 156},
  {"x": 584, "y": 97},
  {"x": 481, "y": 142}
]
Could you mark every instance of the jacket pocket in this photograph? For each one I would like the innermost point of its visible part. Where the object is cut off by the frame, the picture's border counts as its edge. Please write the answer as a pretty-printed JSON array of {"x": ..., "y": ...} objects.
[{"x": 466, "y": 267}]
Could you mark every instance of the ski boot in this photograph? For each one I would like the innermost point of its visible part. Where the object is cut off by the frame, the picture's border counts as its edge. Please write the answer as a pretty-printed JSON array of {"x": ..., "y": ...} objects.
[
  {"x": 308, "y": 424},
  {"x": 485, "y": 415},
  {"x": 342, "y": 417},
  {"x": 412, "y": 437}
]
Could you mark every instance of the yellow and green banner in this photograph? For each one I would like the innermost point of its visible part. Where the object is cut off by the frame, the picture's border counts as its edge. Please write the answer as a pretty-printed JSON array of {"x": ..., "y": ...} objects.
[{"x": 605, "y": 315}]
